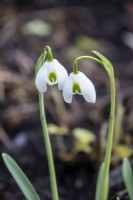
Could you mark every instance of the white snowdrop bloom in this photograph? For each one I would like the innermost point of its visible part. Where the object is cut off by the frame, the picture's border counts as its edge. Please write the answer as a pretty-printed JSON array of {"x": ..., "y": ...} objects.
[
  {"x": 79, "y": 84},
  {"x": 51, "y": 73}
]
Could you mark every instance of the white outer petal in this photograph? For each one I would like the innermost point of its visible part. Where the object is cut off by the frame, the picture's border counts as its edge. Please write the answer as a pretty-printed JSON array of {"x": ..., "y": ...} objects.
[
  {"x": 61, "y": 73},
  {"x": 67, "y": 90},
  {"x": 87, "y": 88},
  {"x": 41, "y": 77}
]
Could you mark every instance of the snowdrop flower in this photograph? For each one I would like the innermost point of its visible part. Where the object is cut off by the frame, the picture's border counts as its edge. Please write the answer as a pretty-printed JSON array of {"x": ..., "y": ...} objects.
[
  {"x": 78, "y": 83},
  {"x": 51, "y": 73}
]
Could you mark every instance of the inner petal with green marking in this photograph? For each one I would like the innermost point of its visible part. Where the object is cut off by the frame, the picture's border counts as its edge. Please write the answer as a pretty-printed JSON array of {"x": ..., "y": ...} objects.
[
  {"x": 76, "y": 88},
  {"x": 52, "y": 77}
]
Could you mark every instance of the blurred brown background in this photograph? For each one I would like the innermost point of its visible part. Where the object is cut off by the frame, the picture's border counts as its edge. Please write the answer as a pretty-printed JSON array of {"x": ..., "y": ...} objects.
[{"x": 78, "y": 130}]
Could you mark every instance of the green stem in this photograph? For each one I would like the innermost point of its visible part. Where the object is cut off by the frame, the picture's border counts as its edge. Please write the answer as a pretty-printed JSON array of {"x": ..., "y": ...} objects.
[
  {"x": 109, "y": 142},
  {"x": 48, "y": 148},
  {"x": 88, "y": 57},
  {"x": 75, "y": 65},
  {"x": 75, "y": 68}
]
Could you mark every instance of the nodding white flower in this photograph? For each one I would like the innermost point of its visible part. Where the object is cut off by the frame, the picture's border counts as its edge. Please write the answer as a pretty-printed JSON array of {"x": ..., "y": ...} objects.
[
  {"x": 51, "y": 73},
  {"x": 79, "y": 84}
]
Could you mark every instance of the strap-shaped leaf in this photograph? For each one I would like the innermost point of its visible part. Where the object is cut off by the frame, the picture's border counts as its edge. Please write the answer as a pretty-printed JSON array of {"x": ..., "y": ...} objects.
[
  {"x": 100, "y": 182},
  {"x": 20, "y": 178},
  {"x": 128, "y": 177}
]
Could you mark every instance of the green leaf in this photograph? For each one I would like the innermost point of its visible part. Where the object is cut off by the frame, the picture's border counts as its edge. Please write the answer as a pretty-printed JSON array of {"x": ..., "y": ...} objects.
[
  {"x": 128, "y": 177},
  {"x": 39, "y": 63},
  {"x": 20, "y": 178},
  {"x": 100, "y": 182}
]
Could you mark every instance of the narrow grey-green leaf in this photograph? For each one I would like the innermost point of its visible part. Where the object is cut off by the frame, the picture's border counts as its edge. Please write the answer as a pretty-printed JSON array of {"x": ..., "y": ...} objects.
[
  {"x": 128, "y": 177},
  {"x": 39, "y": 63},
  {"x": 99, "y": 182},
  {"x": 20, "y": 178}
]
